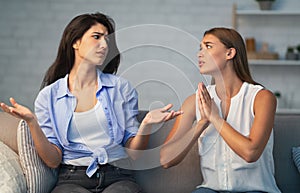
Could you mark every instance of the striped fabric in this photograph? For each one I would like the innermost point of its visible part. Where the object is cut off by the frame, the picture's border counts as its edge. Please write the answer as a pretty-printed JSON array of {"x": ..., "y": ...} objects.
[
  {"x": 39, "y": 177},
  {"x": 11, "y": 174},
  {"x": 296, "y": 156}
]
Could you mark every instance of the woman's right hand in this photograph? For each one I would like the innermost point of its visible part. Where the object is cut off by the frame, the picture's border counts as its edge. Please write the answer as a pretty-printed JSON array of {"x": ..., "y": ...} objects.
[
  {"x": 200, "y": 103},
  {"x": 18, "y": 111},
  {"x": 48, "y": 152}
]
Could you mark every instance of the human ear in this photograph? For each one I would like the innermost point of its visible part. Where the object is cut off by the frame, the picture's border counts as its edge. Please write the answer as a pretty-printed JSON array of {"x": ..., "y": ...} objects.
[
  {"x": 76, "y": 45},
  {"x": 230, "y": 53}
]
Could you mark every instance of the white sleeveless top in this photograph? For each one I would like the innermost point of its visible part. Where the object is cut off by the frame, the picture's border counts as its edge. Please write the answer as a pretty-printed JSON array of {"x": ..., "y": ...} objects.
[{"x": 224, "y": 170}]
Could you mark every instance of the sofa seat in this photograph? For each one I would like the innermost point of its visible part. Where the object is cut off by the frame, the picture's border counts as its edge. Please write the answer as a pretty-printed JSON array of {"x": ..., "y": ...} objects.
[{"x": 184, "y": 177}]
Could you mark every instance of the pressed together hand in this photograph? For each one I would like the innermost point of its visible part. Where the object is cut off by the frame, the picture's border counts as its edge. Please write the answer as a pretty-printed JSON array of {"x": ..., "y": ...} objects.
[{"x": 207, "y": 106}]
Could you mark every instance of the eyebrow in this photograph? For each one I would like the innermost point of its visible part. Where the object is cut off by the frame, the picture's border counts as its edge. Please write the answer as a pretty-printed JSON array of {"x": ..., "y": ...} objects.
[
  {"x": 208, "y": 43},
  {"x": 103, "y": 34}
]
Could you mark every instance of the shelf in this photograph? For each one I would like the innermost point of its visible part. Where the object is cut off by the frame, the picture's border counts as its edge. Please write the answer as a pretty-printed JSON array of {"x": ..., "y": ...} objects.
[
  {"x": 261, "y": 66},
  {"x": 288, "y": 111},
  {"x": 274, "y": 62},
  {"x": 267, "y": 12},
  {"x": 236, "y": 12}
]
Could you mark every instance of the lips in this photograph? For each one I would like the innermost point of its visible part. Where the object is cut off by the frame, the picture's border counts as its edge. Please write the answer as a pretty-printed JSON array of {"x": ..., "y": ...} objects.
[
  {"x": 101, "y": 53},
  {"x": 200, "y": 63}
]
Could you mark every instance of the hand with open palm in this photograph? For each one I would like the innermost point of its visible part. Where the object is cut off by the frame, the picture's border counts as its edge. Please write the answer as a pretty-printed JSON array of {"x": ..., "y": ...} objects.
[
  {"x": 161, "y": 115},
  {"x": 17, "y": 110}
]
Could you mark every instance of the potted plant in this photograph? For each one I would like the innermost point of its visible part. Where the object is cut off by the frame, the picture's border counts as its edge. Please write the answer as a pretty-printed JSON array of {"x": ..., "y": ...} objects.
[
  {"x": 265, "y": 4},
  {"x": 279, "y": 99},
  {"x": 290, "y": 53},
  {"x": 298, "y": 49}
]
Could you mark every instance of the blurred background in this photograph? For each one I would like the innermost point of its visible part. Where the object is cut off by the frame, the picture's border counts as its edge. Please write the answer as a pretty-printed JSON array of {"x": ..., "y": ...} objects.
[{"x": 159, "y": 41}]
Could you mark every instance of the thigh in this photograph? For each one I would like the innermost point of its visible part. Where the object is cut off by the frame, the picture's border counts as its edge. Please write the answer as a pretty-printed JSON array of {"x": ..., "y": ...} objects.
[
  {"x": 74, "y": 179},
  {"x": 77, "y": 176},
  {"x": 124, "y": 186},
  {"x": 70, "y": 188},
  {"x": 204, "y": 190}
]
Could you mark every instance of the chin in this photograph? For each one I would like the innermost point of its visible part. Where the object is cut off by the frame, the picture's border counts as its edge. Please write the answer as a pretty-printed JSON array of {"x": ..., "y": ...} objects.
[
  {"x": 100, "y": 66},
  {"x": 202, "y": 71},
  {"x": 99, "y": 63}
]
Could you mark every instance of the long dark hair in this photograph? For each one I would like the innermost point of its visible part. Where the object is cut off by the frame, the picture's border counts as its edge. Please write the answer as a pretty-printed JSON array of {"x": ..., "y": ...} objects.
[
  {"x": 73, "y": 32},
  {"x": 232, "y": 39}
]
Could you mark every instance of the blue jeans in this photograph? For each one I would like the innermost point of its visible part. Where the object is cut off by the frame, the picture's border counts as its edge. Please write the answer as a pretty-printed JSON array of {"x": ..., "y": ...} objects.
[
  {"x": 207, "y": 190},
  {"x": 107, "y": 179}
]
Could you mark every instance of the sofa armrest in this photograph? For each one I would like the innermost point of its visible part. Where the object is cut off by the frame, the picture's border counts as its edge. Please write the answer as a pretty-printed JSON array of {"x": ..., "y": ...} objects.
[
  {"x": 8, "y": 130},
  {"x": 286, "y": 136}
]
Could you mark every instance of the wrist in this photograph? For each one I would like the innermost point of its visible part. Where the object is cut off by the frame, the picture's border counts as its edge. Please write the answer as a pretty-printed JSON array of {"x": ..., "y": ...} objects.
[
  {"x": 214, "y": 116},
  {"x": 218, "y": 122},
  {"x": 31, "y": 122},
  {"x": 203, "y": 123},
  {"x": 146, "y": 120},
  {"x": 215, "y": 119},
  {"x": 145, "y": 128}
]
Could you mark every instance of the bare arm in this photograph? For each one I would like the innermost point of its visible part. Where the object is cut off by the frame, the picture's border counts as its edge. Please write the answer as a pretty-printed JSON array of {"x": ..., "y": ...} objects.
[
  {"x": 183, "y": 135},
  {"x": 249, "y": 147},
  {"x": 48, "y": 152}
]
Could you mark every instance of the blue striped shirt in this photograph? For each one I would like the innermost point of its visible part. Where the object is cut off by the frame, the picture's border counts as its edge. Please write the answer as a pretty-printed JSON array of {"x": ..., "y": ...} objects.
[{"x": 54, "y": 107}]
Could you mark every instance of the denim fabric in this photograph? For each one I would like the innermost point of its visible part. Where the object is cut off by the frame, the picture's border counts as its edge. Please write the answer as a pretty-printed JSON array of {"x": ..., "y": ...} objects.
[
  {"x": 107, "y": 179},
  {"x": 207, "y": 190}
]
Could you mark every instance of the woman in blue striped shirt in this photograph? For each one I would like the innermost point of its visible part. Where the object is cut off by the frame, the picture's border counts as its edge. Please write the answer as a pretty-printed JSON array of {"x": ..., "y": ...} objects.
[{"x": 85, "y": 116}]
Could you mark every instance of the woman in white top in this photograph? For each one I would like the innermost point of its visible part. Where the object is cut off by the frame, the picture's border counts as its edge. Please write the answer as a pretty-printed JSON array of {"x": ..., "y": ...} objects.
[{"x": 234, "y": 121}]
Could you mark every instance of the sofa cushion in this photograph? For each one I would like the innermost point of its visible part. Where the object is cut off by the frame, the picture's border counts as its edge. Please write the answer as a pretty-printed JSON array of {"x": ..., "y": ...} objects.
[
  {"x": 39, "y": 177},
  {"x": 12, "y": 177},
  {"x": 296, "y": 156},
  {"x": 183, "y": 177}
]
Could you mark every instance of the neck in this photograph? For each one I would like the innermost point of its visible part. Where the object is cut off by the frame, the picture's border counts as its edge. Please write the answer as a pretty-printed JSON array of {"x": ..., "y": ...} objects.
[
  {"x": 81, "y": 77},
  {"x": 227, "y": 87}
]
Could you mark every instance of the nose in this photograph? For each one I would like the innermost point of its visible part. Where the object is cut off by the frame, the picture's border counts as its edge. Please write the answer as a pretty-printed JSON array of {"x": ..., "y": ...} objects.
[
  {"x": 199, "y": 54},
  {"x": 103, "y": 42}
]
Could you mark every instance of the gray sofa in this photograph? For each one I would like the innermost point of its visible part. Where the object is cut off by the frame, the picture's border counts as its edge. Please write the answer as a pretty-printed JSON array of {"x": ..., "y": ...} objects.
[{"x": 184, "y": 177}]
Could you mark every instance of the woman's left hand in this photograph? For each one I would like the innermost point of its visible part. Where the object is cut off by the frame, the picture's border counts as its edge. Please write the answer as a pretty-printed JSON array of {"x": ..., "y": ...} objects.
[{"x": 161, "y": 115}]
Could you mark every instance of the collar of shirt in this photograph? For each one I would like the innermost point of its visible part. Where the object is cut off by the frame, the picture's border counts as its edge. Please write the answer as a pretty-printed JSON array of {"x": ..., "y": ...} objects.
[{"x": 102, "y": 79}]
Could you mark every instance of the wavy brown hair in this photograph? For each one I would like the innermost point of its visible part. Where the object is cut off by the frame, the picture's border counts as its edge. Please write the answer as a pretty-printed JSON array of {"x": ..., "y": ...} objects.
[
  {"x": 74, "y": 31},
  {"x": 232, "y": 39}
]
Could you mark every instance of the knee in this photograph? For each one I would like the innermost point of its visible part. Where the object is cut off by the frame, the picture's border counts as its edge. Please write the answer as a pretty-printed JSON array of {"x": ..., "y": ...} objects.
[{"x": 124, "y": 186}]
